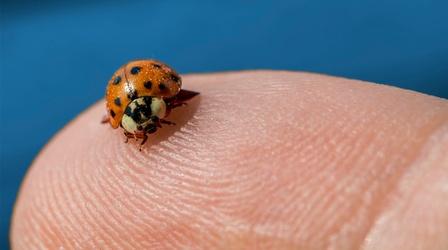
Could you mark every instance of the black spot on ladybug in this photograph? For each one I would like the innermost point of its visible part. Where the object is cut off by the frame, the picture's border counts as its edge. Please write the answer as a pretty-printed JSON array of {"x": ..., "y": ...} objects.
[
  {"x": 148, "y": 84},
  {"x": 132, "y": 95},
  {"x": 135, "y": 70},
  {"x": 117, "y": 101},
  {"x": 174, "y": 77},
  {"x": 112, "y": 113},
  {"x": 162, "y": 86},
  {"x": 117, "y": 80},
  {"x": 157, "y": 66}
]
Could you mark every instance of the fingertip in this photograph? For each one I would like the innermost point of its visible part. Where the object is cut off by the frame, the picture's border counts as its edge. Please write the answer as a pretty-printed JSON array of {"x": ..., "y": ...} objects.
[{"x": 269, "y": 155}]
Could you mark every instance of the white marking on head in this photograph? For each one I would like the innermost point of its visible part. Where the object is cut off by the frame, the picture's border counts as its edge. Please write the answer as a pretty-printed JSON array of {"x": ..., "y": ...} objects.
[
  {"x": 158, "y": 107},
  {"x": 129, "y": 124}
]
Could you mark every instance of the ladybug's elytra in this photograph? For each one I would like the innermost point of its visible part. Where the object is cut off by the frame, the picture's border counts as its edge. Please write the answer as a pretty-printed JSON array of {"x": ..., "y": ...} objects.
[{"x": 141, "y": 94}]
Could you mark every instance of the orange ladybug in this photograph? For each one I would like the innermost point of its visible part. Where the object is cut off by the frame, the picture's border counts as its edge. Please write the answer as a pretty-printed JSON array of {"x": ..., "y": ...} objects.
[{"x": 141, "y": 94}]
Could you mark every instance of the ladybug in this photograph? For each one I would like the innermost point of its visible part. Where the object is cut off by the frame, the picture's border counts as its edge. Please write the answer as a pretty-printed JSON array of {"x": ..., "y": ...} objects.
[{"x": 140, "y": 95}]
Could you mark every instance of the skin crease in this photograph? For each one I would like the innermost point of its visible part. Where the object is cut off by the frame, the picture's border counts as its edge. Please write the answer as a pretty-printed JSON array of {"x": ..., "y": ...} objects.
[{"x": 260, "y": 160}]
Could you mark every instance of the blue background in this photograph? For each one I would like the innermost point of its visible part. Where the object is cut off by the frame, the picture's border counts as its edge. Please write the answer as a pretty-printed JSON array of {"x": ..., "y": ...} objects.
[{"x": 57, "y": 57}]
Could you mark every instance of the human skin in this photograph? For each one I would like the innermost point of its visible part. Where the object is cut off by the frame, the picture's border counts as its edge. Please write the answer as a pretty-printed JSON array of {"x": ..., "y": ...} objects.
[{"x": 259, "y": 160}]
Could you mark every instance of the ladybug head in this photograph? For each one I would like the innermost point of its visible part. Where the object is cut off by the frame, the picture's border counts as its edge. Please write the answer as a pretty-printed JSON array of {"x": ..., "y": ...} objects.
[{"x": 143, "y": 114}]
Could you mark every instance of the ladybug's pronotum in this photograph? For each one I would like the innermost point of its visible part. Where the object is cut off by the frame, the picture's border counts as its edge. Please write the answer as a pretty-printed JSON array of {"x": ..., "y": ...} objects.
[{"x": 141, "y": 94}]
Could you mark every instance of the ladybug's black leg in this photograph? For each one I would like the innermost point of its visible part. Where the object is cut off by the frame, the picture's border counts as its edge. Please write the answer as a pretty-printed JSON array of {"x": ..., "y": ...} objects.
[
  {"x": 145, "y": 138},
  {"x": 128, "y": 135},
  {"x": 167, "y": 122},
  {"x": 157, "y": 123}
]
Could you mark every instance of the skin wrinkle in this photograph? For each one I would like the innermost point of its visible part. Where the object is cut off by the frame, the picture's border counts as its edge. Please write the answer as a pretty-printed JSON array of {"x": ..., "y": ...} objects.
[
  {"x": 297, "y": 160},
  {"x": 36, "y": 219},
  {"x": 392, "y": 187},
  {"x": 104, "y": 196},
  {"x": 62, "y": 190},
  {"x": 380, "y": 235},
  {"x": 94, "y": 187},
  {"x": 95, "y": 216},
  {"x": 140, "y": 208},
  {"x": 117, "y": 203},
  {"x": 53, "y": 208}
]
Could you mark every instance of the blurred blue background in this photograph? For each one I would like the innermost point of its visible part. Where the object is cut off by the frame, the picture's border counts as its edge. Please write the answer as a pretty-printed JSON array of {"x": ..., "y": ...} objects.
[{"x": 57, "y": 56}]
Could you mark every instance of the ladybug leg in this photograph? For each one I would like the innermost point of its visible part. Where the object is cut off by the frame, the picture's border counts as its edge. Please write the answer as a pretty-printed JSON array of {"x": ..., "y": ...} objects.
[
  {"x": 156, "y": 121},
  {"x": 145, "y": 138},
  {"x": 128, "y": 135},
  {"x": 158, "y": 124},
  {"x": 167, "y": 122},
  {"x": 105, "y": 119}
]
